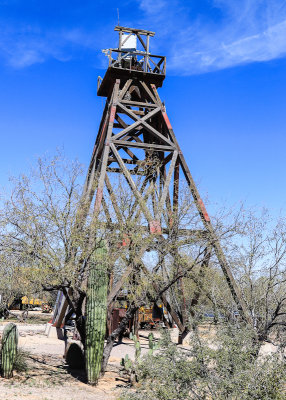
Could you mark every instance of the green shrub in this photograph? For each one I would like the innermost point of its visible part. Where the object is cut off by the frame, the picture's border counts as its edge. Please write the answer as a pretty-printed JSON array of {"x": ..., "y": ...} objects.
[
  {"x": 226, "y": 369},
  {"x": 21, "y": 364}
]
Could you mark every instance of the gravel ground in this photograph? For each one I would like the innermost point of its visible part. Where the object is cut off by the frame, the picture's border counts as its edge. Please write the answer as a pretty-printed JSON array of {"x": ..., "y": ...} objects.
[
  {"x": 48, "y": 377},
  {"x": 26, "y": 328}
]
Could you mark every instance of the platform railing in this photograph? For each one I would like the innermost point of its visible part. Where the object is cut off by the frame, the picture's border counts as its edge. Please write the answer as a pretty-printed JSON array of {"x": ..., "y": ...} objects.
[{"x": 137, "y": 60}]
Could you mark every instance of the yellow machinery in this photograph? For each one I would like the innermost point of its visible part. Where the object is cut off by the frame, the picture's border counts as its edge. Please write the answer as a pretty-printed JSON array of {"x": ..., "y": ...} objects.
[{"x": 35, "y": 302}]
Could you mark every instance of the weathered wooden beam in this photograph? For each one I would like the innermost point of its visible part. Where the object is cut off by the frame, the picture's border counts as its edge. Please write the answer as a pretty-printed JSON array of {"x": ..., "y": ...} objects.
[
  {"x": 102, "y": 174},
  {"x": 138, "y": 104},
  {"x": 148, "y": 146},
  {"x": 137, "y": 194},
  {"x": 133, "y": 30},
  {"x": 142, "y": 41},
  {"x": 148, "y": 91},
  {"x": 167, "y": 183},
  {"x": 124, "y": 89},
  {"x": 127, "y": 161},
  {"x": 131, "y": 171},
  {"x": 138, "y": 121},
  {"x": 113, "y": 199}
]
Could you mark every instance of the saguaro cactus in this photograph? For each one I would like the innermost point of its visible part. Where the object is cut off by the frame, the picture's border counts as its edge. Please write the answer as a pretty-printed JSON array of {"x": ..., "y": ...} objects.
[
  {"x": 9, "y": 349},
  {"x": 96, "y": 310}
]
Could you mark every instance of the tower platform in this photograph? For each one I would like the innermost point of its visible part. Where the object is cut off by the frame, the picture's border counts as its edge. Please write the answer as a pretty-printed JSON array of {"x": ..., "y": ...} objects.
[{"x": 105, "y": 86}]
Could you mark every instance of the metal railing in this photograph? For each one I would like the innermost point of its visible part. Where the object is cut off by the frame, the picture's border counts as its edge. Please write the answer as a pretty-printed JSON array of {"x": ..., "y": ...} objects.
[{"x": 137, "y": 60}]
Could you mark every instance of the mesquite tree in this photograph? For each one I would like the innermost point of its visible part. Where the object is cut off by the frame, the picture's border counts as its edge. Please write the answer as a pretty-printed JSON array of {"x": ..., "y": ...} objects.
[
  {"x": 96, "y": 312},
  {"x": 43, "y": 234}
]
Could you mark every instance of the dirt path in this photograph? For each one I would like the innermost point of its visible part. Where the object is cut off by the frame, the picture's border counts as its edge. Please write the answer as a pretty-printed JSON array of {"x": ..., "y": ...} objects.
[{"x": 48, "y": 377}]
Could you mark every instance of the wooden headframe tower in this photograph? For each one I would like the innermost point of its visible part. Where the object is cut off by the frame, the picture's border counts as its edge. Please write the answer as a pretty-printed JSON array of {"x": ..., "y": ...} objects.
[{"x": 136, "y": 139}]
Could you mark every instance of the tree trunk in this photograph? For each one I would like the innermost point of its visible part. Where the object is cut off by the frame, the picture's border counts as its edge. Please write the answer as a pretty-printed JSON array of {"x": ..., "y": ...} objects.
[
  {"x": 96, "y": 309},
  {"x": 119, "y": 330}
]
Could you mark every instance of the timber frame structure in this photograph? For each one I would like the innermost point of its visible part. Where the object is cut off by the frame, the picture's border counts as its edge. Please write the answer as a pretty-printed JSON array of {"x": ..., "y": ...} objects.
[{"x": 136, "y": 139}]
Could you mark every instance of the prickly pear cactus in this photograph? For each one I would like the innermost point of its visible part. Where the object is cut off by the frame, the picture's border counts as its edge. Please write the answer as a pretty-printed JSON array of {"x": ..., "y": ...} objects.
[
  {"x": 127, "y": 363},
  {"x": 96, "y": 310},
  {"x": 9, "y": 350},
  {"x": 137, "y": 346}
]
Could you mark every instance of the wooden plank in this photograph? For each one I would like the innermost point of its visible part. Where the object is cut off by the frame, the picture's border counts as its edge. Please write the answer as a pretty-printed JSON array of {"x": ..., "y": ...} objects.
[
  {"x": 167, "y": 183},
  {"x": 113, "y": 199},
  {"x": 128, "y": 129},
  {"x": 131, "y": 171},
  {"x": 127, "y": 175},
  {"x": 148, "y": 91},
  {"x": 142, "y": 41},
  {"x": 129, "y": 152},
  {"x": 176, "y": 188},
  {"x": 137, "y": 120},
  {"x": 136, "y": 138},
  {"x": 167, "y": 159},
  {"x": 129, "y": 112},
  {"x": 139, "y": 112},
  {"x": 116, "y": 125},
  {"x": 157, "y": 65},
  {"x": 156, "y": 94},
  {"x": 144, "y": 122},
  {"x": 138, "y": 104},
  {"x": 133, "y": 30},
  {"x": 148, "y": 146},
  {"x": 168, "y": 199},
  {"x": 120, "y": 120},
  {"x": 145, "y": 198},
  {"x": 157, "y": 134},
  {"x": 147, "y": 43},
  {"x": 127, "y": 161},
  {"x": 106, "y": 211},
  {"x": 132, "y": 136},
  {"x": 101, "y": 180},
  {"x": 133, "y": 208},
  {"x": 148, "y": 65},
  {"x": 124, "y": 89}
]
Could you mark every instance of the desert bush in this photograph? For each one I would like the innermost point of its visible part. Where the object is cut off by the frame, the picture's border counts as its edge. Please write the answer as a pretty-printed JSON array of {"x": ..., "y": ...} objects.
[
  {"x": 21, "y": 361},
  {"x": 227, "y": 369}
]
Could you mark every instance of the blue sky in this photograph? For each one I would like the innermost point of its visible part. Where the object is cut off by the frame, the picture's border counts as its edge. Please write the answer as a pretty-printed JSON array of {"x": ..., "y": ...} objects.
[{"x": 225, "y": 89}]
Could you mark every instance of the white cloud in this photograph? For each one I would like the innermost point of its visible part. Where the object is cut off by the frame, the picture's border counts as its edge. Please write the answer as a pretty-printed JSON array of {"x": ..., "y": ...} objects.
[
  {"x": 152, "y": 7},
  {"x": 29, "y": 45},
  {"x": 226, "y": 34},
  {"x": 246, "y": 31}
]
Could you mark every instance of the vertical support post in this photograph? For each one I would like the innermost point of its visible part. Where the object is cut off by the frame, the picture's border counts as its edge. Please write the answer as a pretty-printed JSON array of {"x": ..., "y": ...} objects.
[
  {"x": 147, "y": 51},
  {"x": 147, "y": 44},
  {"x": 106, "y": 150},
  {"x": 119, "y": 46}
]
